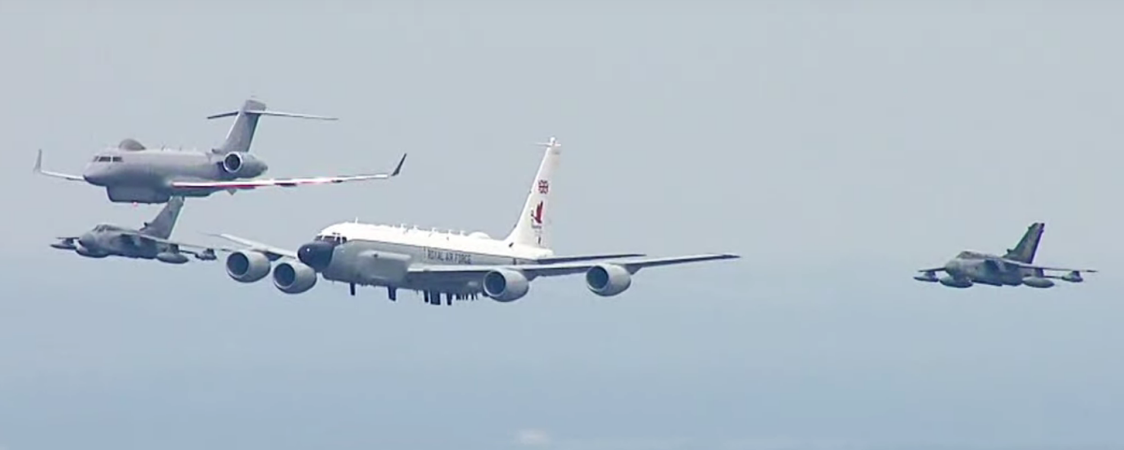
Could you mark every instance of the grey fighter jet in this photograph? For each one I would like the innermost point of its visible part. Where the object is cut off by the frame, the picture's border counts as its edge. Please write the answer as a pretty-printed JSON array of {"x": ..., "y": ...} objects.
[
  {"x": 148, "y": 242},
  {"x": 1014, "y": 268},
  {"x": 132, "y": 173}
]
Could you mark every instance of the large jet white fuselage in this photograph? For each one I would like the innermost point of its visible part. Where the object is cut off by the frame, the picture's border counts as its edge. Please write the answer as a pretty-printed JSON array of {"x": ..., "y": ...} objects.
[{"x": 379, "y": 255}]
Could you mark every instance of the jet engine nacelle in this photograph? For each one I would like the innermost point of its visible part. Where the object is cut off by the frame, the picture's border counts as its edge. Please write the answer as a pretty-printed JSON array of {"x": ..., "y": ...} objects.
[
  {"x": 293, "y": 277},
  {"x": 247, "y": 266},
  {"x": 1038, "y": 282},
  {"x": 232, "y": 163},
  {"x": 607, "y": 280},
  {"x": 171, "y": 257},
  {"x": 506, "y": 285},
  {"x": 244, "y": 165},
  {"x": 955, "y": 282}
]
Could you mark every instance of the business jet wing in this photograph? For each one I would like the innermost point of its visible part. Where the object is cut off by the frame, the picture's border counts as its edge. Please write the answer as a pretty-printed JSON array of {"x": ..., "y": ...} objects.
[
  {"x": 39, "y": 170},
  {"x": 270, "y": 251},
  {"x": 286, "y": 182},
  {"x": 549, "y": 270}
]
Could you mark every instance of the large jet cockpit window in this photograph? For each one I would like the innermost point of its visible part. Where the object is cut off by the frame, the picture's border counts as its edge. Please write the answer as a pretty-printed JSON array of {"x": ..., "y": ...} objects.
[
  {"x": 332, "y": 238},
  {"x": 107, "y": 159}
]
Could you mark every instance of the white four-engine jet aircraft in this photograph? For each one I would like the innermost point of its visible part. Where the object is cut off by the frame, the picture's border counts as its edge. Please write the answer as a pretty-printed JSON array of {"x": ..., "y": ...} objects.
[{"x": 459, "y": 266}]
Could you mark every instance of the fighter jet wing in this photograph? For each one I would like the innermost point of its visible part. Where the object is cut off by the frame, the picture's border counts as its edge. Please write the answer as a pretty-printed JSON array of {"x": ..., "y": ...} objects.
[
  {"x": 269, "y": 250},
  {"x": 286, "y": 182},
  {"x": 1044, "y": 268},
  {"x": 935, "y": 269},
  {"x": 145, "y": 237},
  {"x": 39, "y": 170},
  {"x": 548, "y": 270}
]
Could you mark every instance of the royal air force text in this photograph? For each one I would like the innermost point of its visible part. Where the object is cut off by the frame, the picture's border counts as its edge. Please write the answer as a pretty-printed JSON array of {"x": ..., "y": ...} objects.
[{"x": 447, "y": 256}]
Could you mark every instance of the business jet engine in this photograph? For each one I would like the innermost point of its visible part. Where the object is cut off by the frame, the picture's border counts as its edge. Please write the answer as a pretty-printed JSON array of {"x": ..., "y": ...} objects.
[
  {"x": 607, "y": 280},
  {"x": 242, "y": 165},
  {"x": 247, "y": 266},
  {"x": 293, "y": 277},
  {"x": 505, "y": 285}
]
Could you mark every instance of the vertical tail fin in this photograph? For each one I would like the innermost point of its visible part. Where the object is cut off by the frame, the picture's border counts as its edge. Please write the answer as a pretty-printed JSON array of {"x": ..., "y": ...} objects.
[
  {"x": 531, "y": 228},
  {"x": 241, "y": 134},
  {"x": 165, "y": 221},
  {"x": 1026, "y": 248}
]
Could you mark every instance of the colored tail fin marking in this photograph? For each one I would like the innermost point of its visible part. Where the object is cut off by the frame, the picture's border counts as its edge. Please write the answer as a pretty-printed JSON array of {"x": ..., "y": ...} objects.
[{"x": 532, "y": 226}]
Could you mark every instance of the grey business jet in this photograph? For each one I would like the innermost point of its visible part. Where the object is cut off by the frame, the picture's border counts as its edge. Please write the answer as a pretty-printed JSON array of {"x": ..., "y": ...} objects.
[
  {"x": 132, "y": 173},
  {"x": 1014, "y": 268},
  {"x": 148, "y": 242}
]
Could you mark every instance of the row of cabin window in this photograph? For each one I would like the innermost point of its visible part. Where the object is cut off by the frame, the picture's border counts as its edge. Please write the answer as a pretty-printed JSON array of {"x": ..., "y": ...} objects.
[{"x": 107, "y": 159}]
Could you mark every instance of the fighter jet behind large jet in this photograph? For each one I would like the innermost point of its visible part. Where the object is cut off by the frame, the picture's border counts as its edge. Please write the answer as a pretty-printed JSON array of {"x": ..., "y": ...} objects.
[
  {"x": 148, "y": 242},
  {"x": 132, "y": 173},
  {"x": 1014, "y": 268},
  {"x": 457, "y": 265}
]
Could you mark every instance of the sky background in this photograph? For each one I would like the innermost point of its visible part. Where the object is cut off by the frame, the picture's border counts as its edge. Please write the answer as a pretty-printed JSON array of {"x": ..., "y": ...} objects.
[{"x": 836, "y": 145}]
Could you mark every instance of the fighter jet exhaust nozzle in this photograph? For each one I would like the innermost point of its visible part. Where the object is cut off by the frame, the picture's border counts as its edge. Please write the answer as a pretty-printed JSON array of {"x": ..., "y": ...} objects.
[
  {"x": 607, "y": 280},
  {"x": 292, "y": 277},
  {"x": 1037, "y": 282},
  {"x": 247, "y": 266},
  {"x": 956, "y": 282},
  {"x": 505, "y": 285},
  {"x": 317, "y": 255}
]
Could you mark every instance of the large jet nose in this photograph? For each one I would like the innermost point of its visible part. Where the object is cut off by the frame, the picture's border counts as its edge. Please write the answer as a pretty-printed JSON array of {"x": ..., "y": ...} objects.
[{"x": 317, "y": 255}]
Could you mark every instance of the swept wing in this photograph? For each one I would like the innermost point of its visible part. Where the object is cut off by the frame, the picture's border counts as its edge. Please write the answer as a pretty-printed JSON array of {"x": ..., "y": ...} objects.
[{"x": 286, "y": 182}]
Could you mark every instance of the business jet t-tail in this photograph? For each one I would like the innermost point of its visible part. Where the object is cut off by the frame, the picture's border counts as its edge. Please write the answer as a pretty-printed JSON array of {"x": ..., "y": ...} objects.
[
  {"x": 457, "y": 266},
  {"x": 1014, "y": 268},
  {"x": 132, "y": 173}
]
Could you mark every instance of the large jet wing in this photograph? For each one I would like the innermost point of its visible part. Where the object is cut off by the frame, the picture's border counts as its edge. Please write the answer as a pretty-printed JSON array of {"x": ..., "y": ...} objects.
[
  {"x": 269, "y": 250},
  {"x": 286, "y": 182},
  {"x": 39, "y": 170},
  {"x": 568, "y": 268}
]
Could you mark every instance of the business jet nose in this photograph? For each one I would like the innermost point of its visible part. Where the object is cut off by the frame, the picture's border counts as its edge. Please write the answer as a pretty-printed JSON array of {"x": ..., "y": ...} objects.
[
  {"x": 96, "y": 176},
  {"x": 317, "y": 255}
]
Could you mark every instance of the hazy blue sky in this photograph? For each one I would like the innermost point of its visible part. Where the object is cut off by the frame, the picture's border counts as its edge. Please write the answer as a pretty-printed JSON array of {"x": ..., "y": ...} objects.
[{"x": 837, "y": 146}]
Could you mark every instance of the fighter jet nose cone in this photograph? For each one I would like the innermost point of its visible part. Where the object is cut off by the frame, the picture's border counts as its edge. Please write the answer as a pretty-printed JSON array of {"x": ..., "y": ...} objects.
[{"x": 317, "y": 255}]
